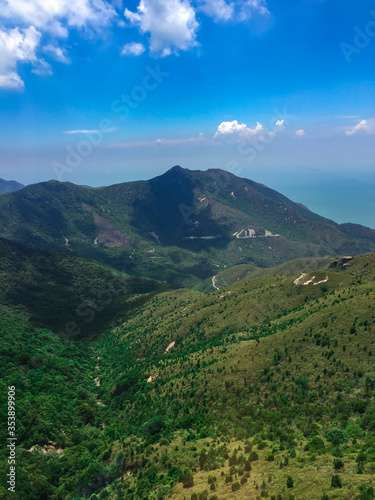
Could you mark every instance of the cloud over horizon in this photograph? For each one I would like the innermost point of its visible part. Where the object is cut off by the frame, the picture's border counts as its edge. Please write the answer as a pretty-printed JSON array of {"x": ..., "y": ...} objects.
[
  {"x": 364, "y": 126},
  {"x": 239, "y": 131}
]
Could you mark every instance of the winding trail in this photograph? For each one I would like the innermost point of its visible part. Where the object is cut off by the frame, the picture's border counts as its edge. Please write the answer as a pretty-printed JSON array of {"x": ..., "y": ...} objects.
[{"x": 214, "y": 283}]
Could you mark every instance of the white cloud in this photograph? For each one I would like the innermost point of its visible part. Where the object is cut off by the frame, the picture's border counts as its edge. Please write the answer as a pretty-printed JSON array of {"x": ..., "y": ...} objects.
[
  {"x": 240, "y": 131},
  {"x": 365, "y": 126},
  {"x": 11, "y": 81},
  {"x": 236, "y": 10},
  {"x": 235, "y": 128},
  {"x": 199, "y": 139},
  {"x": 16, "y": 45},
  {"x": 56, "y": 16},
  {"x": 171, "y": 24},
  {"x": 132, "y": 49},
  {"x": 190, "y": 140},
  {"x": 57, "y": 53},
  {"x": 220, "y": 10},
  {"x": 249, "y": 7},
  {"x": 81, "y": 131},
  {"x": 34, "y": 18},
  {"x": 42, "y": 68},
  {"x": 300, "y": 133}
]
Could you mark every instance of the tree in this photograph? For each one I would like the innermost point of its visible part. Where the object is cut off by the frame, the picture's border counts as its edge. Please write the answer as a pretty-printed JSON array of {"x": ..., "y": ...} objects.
[
  {"x": 236, "y": 486},
  {"x": 188, "y": 480},
  {"x": 289, "y": 482},
  {"x": 315, "y": 444},
  {"x": 336, "y": 437},
  {"x": 336, "y": 481},
  {"x": 338, "y": 463}
]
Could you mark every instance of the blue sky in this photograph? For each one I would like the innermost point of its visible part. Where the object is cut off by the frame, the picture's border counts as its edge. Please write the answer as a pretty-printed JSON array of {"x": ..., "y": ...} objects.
[{"x": 97, "y": 92}]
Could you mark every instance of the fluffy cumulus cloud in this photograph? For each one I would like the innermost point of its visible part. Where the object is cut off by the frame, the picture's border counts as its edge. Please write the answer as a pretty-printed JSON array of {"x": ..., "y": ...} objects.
[
  {"x": 36, "y": 31},
  {"x": 16, "y": 45},
  {"x": 240, "y": 131},
  {"x": 300, "y": 133},
  {"x": 171, "y": 24},
  {"x": 364, "y": 126},
  {"x": 133, "y": 49},
  {"x": 57, "y": 16},
  {"x": 28, "y": 21}
]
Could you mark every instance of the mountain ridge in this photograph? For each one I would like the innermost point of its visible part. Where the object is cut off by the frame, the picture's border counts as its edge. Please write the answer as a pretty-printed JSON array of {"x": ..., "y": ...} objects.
[
  {"x": 9, "y": 186},
  {"x": 177, "y": 227}
]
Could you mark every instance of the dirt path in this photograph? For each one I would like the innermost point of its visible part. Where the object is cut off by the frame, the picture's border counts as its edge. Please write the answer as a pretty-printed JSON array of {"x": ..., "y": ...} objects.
[{"x": 214, "y": 283}]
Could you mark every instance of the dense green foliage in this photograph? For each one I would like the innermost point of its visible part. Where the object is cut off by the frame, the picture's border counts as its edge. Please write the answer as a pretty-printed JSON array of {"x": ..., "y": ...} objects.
[
  {"x": 73, "y": 296},
  {"x": 264, "y": 389}
]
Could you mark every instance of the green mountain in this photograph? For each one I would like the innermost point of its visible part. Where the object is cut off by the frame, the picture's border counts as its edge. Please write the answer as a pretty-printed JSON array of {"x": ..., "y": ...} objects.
[
  {"x": 180, "y": 227},
  {"x": 73, "y": 296},
  {"x": 9, "y": 186},
  {"x": 262, "y": 390}
]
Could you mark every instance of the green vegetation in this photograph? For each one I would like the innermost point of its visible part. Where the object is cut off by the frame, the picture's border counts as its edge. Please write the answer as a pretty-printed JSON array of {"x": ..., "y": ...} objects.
[
  {"x": 73, "y": 296},
  {"x": 264, "y": 389},
  {"x": 145, "y": 228}
]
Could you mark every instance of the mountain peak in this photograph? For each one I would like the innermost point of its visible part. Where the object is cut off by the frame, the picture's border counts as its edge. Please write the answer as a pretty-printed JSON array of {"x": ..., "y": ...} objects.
[
  {"x": 9, "y": 186},
  {"x": 176, "y": 169}
]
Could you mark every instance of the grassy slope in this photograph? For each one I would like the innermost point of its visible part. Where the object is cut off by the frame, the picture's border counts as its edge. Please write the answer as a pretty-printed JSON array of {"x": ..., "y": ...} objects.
[
  {"x": 234, "y": 274},
  {"x": 262, "y": 366},
  {"x": 231, "y": 385}
]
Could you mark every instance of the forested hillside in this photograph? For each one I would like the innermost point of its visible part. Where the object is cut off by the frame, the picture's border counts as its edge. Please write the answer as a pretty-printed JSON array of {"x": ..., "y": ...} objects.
[{"x": 264, "y": 389}]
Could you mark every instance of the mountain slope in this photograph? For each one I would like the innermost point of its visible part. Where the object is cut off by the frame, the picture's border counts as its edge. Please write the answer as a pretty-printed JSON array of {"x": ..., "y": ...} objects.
[
  {"x": 68, "y": 294},
  {"x": 246, "y": 271},
  {"x": 9, "y": 186},
  {"x": 265, "y": 389},
  {"x": 180, "y": 227}
]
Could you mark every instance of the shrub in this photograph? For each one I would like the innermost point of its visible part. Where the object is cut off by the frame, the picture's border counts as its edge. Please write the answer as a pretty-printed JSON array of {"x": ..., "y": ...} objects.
[
  {"x": 336, "y": 437},
  {"x": 289, "y": 482},
  {"x": 336, "y": 481},
  {"x": 361, "y": 457},
  {"x": 354, "y": 431},
  {"x": 194, "y": 496},
  {"x": 338, "y": 463},
  {"x": 203, "y": 495},
  {"x": 315, "y": 444},
  {"x": 247, "y": 465},
  {"x": 253, "y": 456},
  {"x": 188, "y": 480},
  {"x": 236, "y": 486}
]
